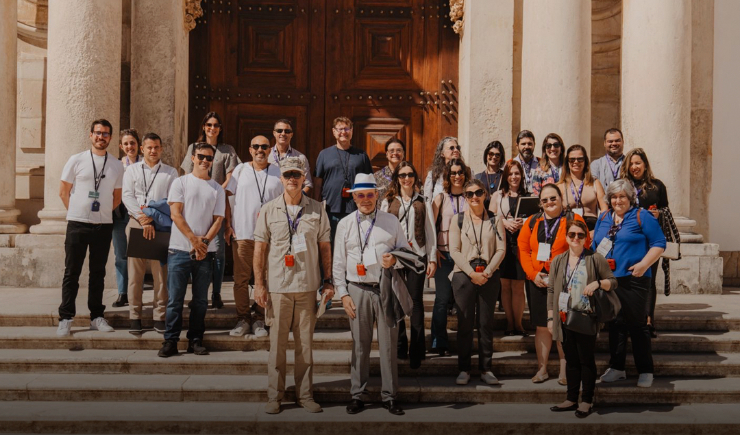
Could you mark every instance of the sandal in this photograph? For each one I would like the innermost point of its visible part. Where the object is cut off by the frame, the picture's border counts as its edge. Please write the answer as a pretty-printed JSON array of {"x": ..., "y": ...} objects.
[
  {"x": 563, "y": 381},
  {"x": 538, "y": 379}
]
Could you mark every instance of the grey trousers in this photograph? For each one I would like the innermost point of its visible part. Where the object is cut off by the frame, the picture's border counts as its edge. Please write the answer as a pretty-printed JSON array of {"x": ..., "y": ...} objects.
[{"x": 367, "y": 302}]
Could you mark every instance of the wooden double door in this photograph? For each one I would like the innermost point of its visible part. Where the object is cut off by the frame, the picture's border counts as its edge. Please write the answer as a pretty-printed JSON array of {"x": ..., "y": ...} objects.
[{"x": 390, "y": 66}]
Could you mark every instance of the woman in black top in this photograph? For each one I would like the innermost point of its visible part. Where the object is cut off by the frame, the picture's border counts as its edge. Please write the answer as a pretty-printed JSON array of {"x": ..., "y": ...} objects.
[{"x": 493, "y": 157}]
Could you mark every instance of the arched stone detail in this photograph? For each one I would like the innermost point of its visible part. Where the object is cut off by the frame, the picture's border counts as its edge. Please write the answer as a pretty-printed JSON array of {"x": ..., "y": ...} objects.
[{"x": 193, "y": 11}]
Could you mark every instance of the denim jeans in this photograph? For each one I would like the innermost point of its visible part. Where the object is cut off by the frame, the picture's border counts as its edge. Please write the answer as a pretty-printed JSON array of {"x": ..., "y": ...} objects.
[
  {"x": 119, "y": 249},
  {"x": 219, "y": 263},
  {"x": 179, "y": 268},
  {"x": 334, "y": 219},
  {"x": 443, "y": 298}
]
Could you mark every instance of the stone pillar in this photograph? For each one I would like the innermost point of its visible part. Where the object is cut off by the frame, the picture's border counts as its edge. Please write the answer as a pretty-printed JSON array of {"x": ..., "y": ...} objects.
[
  {"x": 84, "y": 81},
  {"x": 556, "y": 70},
  {"x": 159, "y": 74},
  {"x": 8, "y": 81},
  {"x": 485, "y": 80},
  {"x": 656, "y": 90}
]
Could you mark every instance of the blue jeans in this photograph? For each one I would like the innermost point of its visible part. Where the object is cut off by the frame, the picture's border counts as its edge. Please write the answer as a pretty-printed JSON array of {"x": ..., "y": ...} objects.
[
  {"x": 179, "y": 268},
  {"x": 442, "y": 299},
  {"x": 119, "y": 249},
  {"x": 334, "y": 219},
  {"x": 219, "y": 263}
]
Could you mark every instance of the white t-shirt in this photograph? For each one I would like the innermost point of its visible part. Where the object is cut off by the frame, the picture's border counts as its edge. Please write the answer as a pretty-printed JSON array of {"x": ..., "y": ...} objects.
[
  {"x": 202, "y": 199},
  {"x": 79, "y": 172},
  {"x": 246, "y": 184}
]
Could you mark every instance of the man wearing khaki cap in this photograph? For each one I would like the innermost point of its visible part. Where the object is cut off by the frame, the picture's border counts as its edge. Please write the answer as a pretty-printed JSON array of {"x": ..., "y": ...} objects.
[{"x": 292, "y": 233}]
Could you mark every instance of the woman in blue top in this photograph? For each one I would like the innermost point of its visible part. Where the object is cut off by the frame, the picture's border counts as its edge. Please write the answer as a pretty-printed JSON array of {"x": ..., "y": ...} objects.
[{"x": 631, "y": 240}]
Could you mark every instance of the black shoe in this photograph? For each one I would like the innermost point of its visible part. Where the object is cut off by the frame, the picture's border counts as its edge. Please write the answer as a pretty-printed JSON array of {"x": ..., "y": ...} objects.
[
  {"x": 196, "y": 346},
  {"x": 122, "y": 301},
  {"x": 216, "y": 301},
  {"x": 393, "y": 408},
  {"x": 160, "y": 327},
  {"x": 135, "y": 327},
  {"x": 581, "y": 414},
  {"x": 443, "y": 352},
  {"x": 355, "y": 406},
  {"x": 521, "y": 333},
  {"x": 572, "y": 407},
  {"x": 169, "y": 348},
  {"x": 509, "y": 333},
  {"x": 190, "y": 304},
  {"x": 415, "y": 363},
  {"x": 402, "y": 355}
]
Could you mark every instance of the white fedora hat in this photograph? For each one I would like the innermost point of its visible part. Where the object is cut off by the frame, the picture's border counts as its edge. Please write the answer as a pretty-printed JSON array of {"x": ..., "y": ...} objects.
[{"x": 363, "y": 182}]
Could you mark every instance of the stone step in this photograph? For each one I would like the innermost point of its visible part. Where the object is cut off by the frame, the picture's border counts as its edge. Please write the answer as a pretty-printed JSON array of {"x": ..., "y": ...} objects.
[
  {"x": 427, "y": 418},
  {"x": 327, "y": 339},
  {"x": 332, "y": 389},
  {"x": 327, "y": 362}
]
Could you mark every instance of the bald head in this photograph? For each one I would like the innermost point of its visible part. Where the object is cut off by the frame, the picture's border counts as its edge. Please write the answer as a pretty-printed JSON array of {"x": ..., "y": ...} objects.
[{"x": 258, "y": 148}]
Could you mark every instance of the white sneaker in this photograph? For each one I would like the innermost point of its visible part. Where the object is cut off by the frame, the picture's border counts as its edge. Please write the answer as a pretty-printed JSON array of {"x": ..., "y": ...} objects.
[
  {"x": 645, "y": 380},
  {"x": 101, "y": 325},
  {"x": 259, "y": 329},
  {"x": 611, "y": 375},
  {"x": 64, "y": 327},
  {"x": 488, "y": 378},
  {"x": 241, "y": 328},
  {"x": 463, "y": 378}
]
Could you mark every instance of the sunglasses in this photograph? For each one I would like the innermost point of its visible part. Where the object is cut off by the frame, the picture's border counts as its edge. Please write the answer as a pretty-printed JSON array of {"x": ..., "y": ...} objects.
[
  {"x": 454, "y": 148},
  {"x": 292, "y": 175},
  {"x": 406, "y": 175},
  {"x": 365, "y": 195},
  {"x": 209, "y": 125},
  {"x": 281, "y": 130},
  {"x": 576, "y": 159},
  {"x": 205, "y": 157},
  {"x": 548, "y": 200},
  {"x": 456, "y": 173},
  {"x": 553, "y": 145},
  {"x": 478, "y": 193},
  {"x": 101, "y": 134},
  {"x": 492, "y": 155},
  {"x": 258, "y": 146},
  {"x": 573, "y": 235}
]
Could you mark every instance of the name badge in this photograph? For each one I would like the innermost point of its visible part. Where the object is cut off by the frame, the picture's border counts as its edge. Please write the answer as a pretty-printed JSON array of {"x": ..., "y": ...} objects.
[
  {"x": 604, "y": 247},
  {"x": 543, "y": 253},
  {"x": 370, "y": 258},
  {"x": 289, "y": 261},
  {"x": 578, "y": 211},
  {"x": 563, "y": 302},
  {"x": 93, "y": 194},
  {"x": 299, "y": 243},
  {"x": 95, "y": 206},
  {"x": 360, "y": 270}
]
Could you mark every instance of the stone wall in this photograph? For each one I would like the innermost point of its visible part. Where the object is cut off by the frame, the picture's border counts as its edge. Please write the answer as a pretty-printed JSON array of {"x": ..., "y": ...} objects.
[{"x": 731, "y": 267}]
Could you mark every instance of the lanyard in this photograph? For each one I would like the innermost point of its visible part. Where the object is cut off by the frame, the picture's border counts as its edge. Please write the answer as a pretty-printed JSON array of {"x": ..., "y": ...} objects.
[
  {"x": 264, "y": 185},
  {"x": 406, "y": 216},
  {"x": 276, "y": 154},
  {"x": 569, "y": 274},
  {"x": 580, "y": 192},
  {"x": 455, "y": 205},
  {"x": 367, "y": 234},
  {"x": 475, "y": 236},
  {"x": 638, "y": 192},
  {"x": 385, "y": 173},
  {"x": 98, "y": 178},
  {"x": 612, "y": 234},
  {"x": 555, "y": 172},
  {"x": 548, "y": 233},
  {"x": 292, "y": 223},
  {"x": 613, "y": 166},
  {"x": 344, "y": 165},
  {"x": 492, "y": 186},
  {"x": 528, "y": 170},
  {"x": 146, "y": 190}
]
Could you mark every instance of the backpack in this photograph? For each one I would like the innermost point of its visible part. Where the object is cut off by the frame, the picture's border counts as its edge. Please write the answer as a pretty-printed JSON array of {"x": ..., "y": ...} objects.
[{"x": 491, "y": 217}]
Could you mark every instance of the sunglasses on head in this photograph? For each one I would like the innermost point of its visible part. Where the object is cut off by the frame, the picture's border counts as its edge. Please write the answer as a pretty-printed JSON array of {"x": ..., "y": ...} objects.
[
  {"x": 574, "y": 234},
  {"x": 258, "y": 146},
  {"x": 294, "y": 175},
  {"x": 365, "y": 195},
  {"x": 285, "y": 130},
  {"x": 469, "y": 194},
  {"x": 406, "y": 175},
  {"x": 576, "y": 159},
  {"x": 210, "y": 125},
  {"x": 553, "y": 145},
  {"x": 548, "y": 200},
  {"x": 205, "y": 157},
  {"x": 456, "y": 173}
]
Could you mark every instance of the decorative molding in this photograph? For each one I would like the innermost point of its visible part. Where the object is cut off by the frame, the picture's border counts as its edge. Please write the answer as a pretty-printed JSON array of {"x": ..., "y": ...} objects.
[
  {"x": 193, "y": 11},
  {"x": 456, "y": 15}
]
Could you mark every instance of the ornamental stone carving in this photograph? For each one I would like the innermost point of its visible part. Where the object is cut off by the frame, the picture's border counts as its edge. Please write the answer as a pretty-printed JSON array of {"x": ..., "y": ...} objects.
[
  {"x": 456, "y": 15},
  {"x": 193, "y": 11}
]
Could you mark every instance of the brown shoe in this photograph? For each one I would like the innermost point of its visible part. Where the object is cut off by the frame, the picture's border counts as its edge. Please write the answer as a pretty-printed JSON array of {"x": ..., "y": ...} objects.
[
  {"x": 272, "y": 407},
  {"x": 310, "y": 406}
]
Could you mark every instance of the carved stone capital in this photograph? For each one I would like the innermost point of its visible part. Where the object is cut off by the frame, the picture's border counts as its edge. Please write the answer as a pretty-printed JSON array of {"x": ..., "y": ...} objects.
[
  {"x": 193, "y": 11},
  {"x": 456, "y": 15}
]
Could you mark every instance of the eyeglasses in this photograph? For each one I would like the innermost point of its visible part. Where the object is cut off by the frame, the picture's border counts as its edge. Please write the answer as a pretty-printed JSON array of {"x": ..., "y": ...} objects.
[
  {"x": 257, "y": 146},
  {"x": 576, "y": 159},
  {"x": 553, "y": 145},
  {"x": 456, "y": 173},
  {"x": 205, "y": 157},
  {"x": 101, "y": 134},
  {"x": 397, "y": 151},
  {"x": 292, "y": 175},
  {"x": 548, "y": 200},
  {"x": 406, "y": 175},
  {"x": 283, "y": 130},
  {"x": 343, "y": 130},
  {"x": 365, "y": 195},
  {"x": 480, "y": 192},
  {"x": 492, "y": 155},
  {"x": 454, "y": 148},
  {"x": 215, "y": 125},
  {"x": 573, "y": 235}
]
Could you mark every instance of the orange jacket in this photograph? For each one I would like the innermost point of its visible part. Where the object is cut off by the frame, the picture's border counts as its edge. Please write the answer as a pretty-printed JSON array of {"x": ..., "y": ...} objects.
[{"x": 529, "y": 245}]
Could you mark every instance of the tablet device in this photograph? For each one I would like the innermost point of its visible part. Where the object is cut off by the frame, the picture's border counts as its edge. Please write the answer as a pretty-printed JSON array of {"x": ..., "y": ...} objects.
[
  {"x": 526, "y": 206},
  {"x": 155, "y": 249}
]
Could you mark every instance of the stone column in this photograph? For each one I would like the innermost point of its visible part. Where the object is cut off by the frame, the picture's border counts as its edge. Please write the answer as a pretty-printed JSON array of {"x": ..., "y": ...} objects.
[
  {"x": 84, "y": 81},
  {"x": 656, "y": 90},
  {"x": 485, "y": 80},
  {"x": 8, "y": 81},
  {"x": 556, "y": 70},
  {"x": 159, "y": 74}
]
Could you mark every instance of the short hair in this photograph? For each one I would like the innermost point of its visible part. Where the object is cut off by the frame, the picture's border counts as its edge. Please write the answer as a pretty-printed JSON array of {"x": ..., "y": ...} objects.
[
  {"x": 522, "y": 134},
  {"x": 505, "y": 187},
  {"x": 495, "y": 144},
  {"x": 612, "y": 131},
  {"x": 551, "y": 186},
  {"x": 128, "y": 132},
  {"x": 448, "y": 168},
  {"x": 341, "y": 119},
  {"x": 202, "y": 146},
  {"x": 574, "y": 222},
  {"x": 151, "y": 136},
  {"x": 544, "y": 161},
  {"x": 283, "y": 121},
  {"x": 618, "y": 186},
  {"x": 395, "y": 140},
  {"x": 202, "y": 135},
  {"x": 476, "y": 182},
  {"x": 103, "y": 122}
]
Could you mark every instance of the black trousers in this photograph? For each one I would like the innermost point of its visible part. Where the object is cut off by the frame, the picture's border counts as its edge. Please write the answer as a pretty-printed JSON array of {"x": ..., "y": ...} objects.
[
  {"x": 475, "y": 304},
  {"x": 631, "y": 322},
  {"x": 416, "y": 348},
  {"x": 81, "y": 237},
  {"x": 580, "y": 364},
  {"x": 653, "y": 291}
]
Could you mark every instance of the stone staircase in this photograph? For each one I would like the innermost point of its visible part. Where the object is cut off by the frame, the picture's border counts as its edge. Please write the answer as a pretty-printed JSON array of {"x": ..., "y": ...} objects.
[{"x": 47, "y": 382}]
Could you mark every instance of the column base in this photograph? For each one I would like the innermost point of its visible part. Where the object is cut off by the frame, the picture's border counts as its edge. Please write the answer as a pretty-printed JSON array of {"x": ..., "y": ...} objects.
[
  {"x": 9, "y": 222},
  {"x": 52, "y": 222}
]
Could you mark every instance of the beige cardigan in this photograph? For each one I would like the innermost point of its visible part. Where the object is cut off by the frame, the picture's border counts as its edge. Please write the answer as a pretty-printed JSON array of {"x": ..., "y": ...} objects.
[
  {"x": 557, "y": 279},
  {"x": 463, "y": 246}
]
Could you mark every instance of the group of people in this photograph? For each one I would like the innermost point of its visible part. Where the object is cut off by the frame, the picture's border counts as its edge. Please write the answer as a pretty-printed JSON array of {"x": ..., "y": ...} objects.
[{"x": 377, "y": 240}]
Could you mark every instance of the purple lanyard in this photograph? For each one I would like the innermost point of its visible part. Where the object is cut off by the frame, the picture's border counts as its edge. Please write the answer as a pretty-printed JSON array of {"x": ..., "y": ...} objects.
[
  {"x": 276, "y": 154},
  {"x": 613, "y": 167},
  {"x": 548, "y": 233},
  {"x": 569, "y": 274},
  {"x": 555, "y": 172},
  {"x": 455, "y": 210},
  {"x": 528, "y": 170},
  {"x": 580, "y": 193},
  {"x": 292, "y": 224},
  {"x": 385, "y": 174},
  {"x": 638, "y": 192},
  {"x": 367, "y": 235}
]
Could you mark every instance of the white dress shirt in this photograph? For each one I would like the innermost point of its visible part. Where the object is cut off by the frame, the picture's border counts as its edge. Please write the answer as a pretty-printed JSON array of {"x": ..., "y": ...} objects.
[
  {"x": 408, "y": 225},
  {"x": 387, "y": 235},
  {"x": 137, "y": 176}
]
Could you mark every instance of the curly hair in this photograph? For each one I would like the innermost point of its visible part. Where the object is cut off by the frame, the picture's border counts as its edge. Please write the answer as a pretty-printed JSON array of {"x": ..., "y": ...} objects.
[
  {"x": 438, "y": 162},
  {"x": 448, "y": 168}
]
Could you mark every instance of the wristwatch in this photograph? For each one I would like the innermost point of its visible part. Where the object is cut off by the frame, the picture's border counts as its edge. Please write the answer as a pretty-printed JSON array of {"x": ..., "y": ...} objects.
[
  {"x": 549, "y": 319},
  {"x": 206, "y": 241},
  {"x": 327, "y": 281}
]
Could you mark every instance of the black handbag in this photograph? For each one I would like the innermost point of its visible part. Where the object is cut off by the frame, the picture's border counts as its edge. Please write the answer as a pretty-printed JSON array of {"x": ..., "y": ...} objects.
[
  {"x": 606, "y": 304},
  {"x": 581, "y": 322}
]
